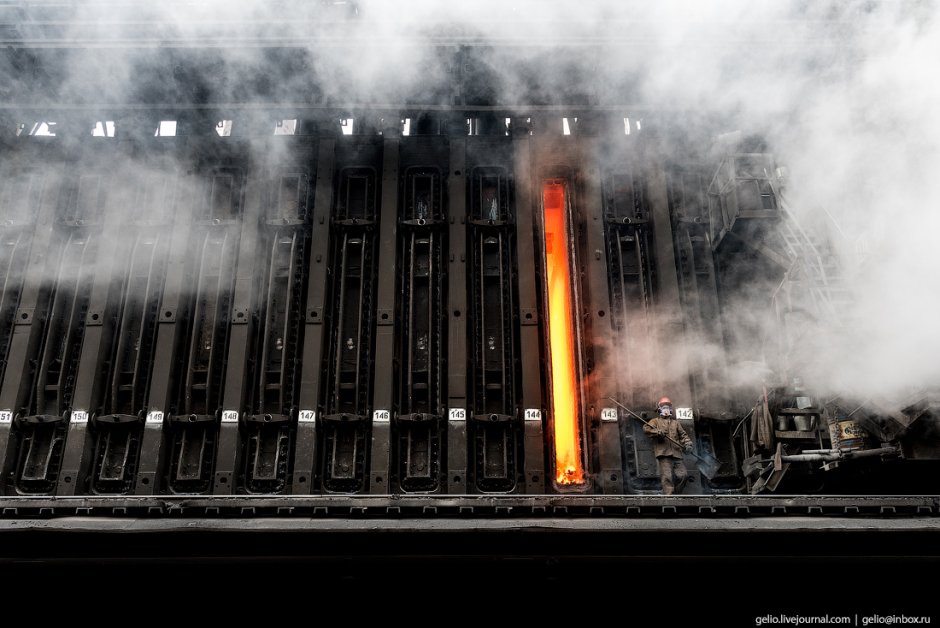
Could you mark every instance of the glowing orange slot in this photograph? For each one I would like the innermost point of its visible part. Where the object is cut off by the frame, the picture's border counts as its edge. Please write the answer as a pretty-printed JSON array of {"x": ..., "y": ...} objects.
[{"x": 568, "y": 466}]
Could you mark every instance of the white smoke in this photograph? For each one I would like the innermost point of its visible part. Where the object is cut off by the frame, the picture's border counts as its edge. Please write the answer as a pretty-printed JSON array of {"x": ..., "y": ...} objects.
[{"x": 842, "y": 91}]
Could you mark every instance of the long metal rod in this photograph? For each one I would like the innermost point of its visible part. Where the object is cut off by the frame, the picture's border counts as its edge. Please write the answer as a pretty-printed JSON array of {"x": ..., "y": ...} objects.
[{"x": 822, "y": 455}]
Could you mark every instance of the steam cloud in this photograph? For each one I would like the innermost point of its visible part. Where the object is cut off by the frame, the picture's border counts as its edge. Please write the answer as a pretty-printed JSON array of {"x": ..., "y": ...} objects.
[{"x": 842, "y": 91}]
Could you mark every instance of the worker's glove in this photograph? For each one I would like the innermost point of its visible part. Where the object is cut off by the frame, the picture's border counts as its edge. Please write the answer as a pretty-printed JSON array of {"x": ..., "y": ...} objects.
[
  {"x": 688, "y": 449},
  {"x": 660, "y": 433}
]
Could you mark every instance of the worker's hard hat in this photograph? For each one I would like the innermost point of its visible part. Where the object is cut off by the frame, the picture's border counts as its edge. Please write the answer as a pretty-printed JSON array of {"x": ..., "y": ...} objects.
[{"x": 665, "y": 401}]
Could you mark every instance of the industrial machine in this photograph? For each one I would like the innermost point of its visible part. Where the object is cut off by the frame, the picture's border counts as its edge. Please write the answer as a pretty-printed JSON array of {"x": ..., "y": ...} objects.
[{"x": 236, "y": 295}]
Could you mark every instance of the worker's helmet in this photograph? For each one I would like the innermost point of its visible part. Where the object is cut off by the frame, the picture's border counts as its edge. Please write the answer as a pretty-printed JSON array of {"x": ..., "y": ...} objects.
[{"x": 665, "y": 406}]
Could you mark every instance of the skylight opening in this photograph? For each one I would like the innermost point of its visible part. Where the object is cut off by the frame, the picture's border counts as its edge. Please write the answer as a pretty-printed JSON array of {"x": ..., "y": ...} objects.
[
  {"x": 46, "y": 129},
  {"x": 285, "y": 127},
  {"x": 103, "y": 128},
  {"x": 167, "y": 128}
]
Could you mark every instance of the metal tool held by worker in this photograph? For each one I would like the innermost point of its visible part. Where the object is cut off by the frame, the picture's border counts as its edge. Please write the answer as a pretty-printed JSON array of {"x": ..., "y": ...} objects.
[{"x": 707, "y": 464}]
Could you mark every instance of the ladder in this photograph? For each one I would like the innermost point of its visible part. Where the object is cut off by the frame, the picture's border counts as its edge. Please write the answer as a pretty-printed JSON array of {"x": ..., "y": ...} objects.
[{"x": 817, "y": 275}]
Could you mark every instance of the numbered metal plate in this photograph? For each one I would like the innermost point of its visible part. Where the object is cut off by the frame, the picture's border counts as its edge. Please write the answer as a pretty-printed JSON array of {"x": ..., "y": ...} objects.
[
  {"x": 533, "y": 414},
  {"x": 457, "y": 414},
  {"x": 6, "y": 416},
  {"x": 307, "y": 416},
  {"x": 609, "y": 415},
  {"x": 79, "y": 416},
  {"x": 684, "y": 413},
  {"x": 154, "y": 417},
  {"x": 230, "y": 416},
  {"x": 381, "y": 416}
]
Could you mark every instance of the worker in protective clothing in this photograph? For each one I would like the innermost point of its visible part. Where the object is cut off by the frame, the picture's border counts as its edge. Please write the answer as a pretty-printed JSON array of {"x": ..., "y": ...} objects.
[{"x": 672, "y": 469}]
